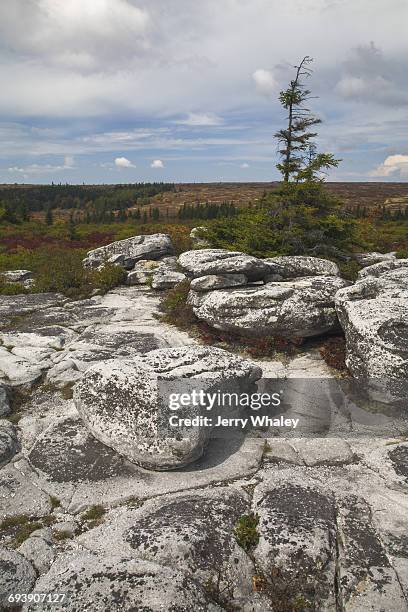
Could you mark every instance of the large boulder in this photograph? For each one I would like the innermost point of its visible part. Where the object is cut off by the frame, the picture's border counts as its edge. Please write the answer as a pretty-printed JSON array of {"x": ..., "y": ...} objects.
[
  {"x": 383, "y": 267},
  {"x": 294, "y": 266},
  {"x": 218, "y": 281},
  {"x": 374, "y": 316},
  {"x": 203, "y": 262},
  {"x": 166, "y": 279},
  {"x": 197, "y": 239},
  {"x": 142, "y": 272},
  {"x": 132, "y": 249},
  {"x": 299, "y": 308},
  {"x": 113, "y": 583},
  {"x": 125, "y": 404}
]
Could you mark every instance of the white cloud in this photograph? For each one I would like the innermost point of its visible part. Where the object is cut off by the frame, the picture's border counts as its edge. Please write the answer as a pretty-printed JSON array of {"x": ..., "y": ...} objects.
[
  {"x": 43, "y": 168},
  {"x": 265, "y": 82},
  {"x": 245, "y": 165},
  {"x": 123, "y": 162},
  {"x": 157, "y": 163},
  {"x": 393, "y": 165},
  {"x": 201, "y": 120}
]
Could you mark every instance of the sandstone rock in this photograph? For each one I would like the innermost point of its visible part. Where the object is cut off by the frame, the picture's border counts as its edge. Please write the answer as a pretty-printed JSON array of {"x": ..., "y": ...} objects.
[
  {"x": 125, "y": 403},
  {"x": 197, "y": 240},
  {"x": 17, "y": 575},
  {"x": 166, "y": 279},
  {"x": 38, "y": 552},
  {"x": 299, "y": 308},
  {"x": 133, "y": 249},
  {"x": 369, "y": 259},
  {"x": 16, "y": 276},
  {"x": 113, "y": 583},
  {"x": 142, "y": 272},
  {"x": 220, "y": 261},
  {"x": 8, "y": 442},
  {"x": 291, "y": 266},
  {"x": 218, "y": 281},
  {"x": 191, "y": 531},
  {"x": 296, "y": 548},
  {"x": 374, "y": 315},
  {"x": 5, "y": 407},
  {"x": 383, "y": 267}
]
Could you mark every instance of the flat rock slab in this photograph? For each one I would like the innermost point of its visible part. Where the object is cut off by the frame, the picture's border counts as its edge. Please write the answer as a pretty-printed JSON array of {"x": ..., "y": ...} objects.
[
  {"x": 19, "y": 495},
  {"x": 68, "y": 462},
  {"x": 114, "y": 583},
  {"x": 297, "y": 266},
  {"x": 12, "y": 306},
  {"x": 191, "y": 531},
  {"x": 204, "y": 262}
]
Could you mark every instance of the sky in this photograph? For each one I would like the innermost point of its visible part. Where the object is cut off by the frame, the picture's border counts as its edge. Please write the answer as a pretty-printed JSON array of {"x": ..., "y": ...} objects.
[{"x": 120, "y": 91}]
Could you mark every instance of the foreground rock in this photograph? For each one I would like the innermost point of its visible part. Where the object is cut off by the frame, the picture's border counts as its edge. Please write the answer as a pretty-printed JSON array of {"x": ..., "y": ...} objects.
[
  {"x": 17, "y": 575},
  {"x": 205, "y": 262},
  {"x": 8, "y": 442},
  {"x": 125, "y": 403},
  {"x": 5, "y": 408},
  {"x": 374, "y": 316},
  {"x": 191, "y": 531},
  {"x": 298, "y": 266},
  {"x": 218, "y": 281},
  {"x": 114, "y": 583},
  {"x": 299, "y": 308},
  {"x": 131, "y": 250}
]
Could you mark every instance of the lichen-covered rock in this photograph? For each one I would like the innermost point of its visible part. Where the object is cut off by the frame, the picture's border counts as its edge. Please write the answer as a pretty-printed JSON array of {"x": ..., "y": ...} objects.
[
  {"x": 196, "y": 238},
  {"x": 297, "y": 544},
  {"x": 298, "y": 308},
  {"x": 142, "y": 272},
  {"x": 191, "y": 531},
  {"x": 166, "y": 279},
  {"x": 204, "y": 262},
  {"x": 369, "y": 259},
  {"x": 16, "y": 276},
  {"x": 133, "y": 249},
  {"x": 12, "y": 306},
  {"x": 38, "y": 552},
  {"x": 113, "y": 584},
  {"x": 18, "y": 493},
  {"x": 297, "y": 266},
  {"x": 8, "y": 441},
  {"x": 125, "y": 403},
  {"x": 218, "y": 281},
  {"x": 5, "y": 408},
  {"x": 374, "y": 317},
  {"x": 383, "y": 267},
  {"x": 17, "y": 575}
]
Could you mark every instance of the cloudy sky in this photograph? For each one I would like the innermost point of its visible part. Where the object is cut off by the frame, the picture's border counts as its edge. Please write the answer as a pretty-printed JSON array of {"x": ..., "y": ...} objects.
[{"x": 184, "y": 90}]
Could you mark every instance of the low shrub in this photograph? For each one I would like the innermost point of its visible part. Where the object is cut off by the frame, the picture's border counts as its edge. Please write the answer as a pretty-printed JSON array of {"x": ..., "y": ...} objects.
[
  {"x": 175, "y": 308},
  {"x": 333, "y": 352},
  {"x": 246, "y": 531}
]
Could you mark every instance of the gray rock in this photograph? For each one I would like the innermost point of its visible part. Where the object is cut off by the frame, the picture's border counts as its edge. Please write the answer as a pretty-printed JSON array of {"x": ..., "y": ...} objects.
[
  {"x": 367, "y": 581},
  {"x": 191, "y": 531},
  {"x": 39, "y": 553},
  {"x": 133, "y": 249},
  {"x": 218, "y": 281},
  {"x": 12, "y": 306},
  {"x": 17, "y": 575},
  {"x": 17, "y": 276},
  {"x": 296, "y": 548},
  {"x": 125, "y": 403},
  {"x": 18, "y": 493},
  {"x": 206, "y": 262},
  {"x": 5, "y": 408},
  {"x": 114, "y": 583},
  {"x": 383, "y": 267},
  {"x": 297, "y": 266},
  {"x": 374, "y": 315},
  {"x": 166, "y": 279},
  {"x": 8, "y": 442},
  {"x": 142, "y": 272},
  {"x": 197, "y": 240},
  {"x": 369, "y": 259},
  {"x": 299, "y": 308}
]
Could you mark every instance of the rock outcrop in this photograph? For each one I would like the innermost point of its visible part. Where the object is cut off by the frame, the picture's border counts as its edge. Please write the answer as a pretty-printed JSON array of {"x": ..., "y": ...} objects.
[
  {"x": 8, "y": 442},
  {"x": 204, "y": 262},
  {"x": 218, "y": 281},
  {"x": 17, "y": 575},
  {"x": 162, "y": 274},
  {"x": 125, "y": 403},
  {"x": 374, "y": 317},
  {"x": 369, "y": 259},
  {"x": 197, "y": 239},
  {"x": 383, "y": 267},
  {"x": 299, "y": 308},
  {"x": 5, "y": 408},
  {"x": 131, "y": 250},
  {"x": 290, "y": 266}
]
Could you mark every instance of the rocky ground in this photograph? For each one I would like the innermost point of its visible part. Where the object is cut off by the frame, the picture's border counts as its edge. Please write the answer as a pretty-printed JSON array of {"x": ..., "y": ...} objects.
[{"x": 253, "y": 522}]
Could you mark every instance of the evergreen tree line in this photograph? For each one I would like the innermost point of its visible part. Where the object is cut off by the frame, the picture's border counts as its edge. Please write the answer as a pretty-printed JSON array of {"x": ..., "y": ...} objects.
[{"x": 208, "y": 210}]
